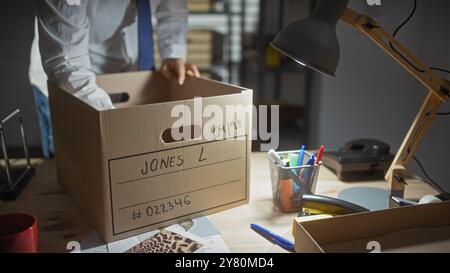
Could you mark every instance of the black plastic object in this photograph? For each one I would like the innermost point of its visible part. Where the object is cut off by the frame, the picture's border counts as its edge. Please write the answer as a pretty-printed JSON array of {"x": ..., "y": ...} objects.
[
  {"x": 312, "y": 41},
  {"x": 361, "y": 159}
]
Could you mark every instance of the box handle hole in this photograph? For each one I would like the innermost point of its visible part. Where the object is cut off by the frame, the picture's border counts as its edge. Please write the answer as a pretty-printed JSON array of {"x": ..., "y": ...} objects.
[
  {"x": 119, "y": 97},
  {"x": 186, "y": 132}
]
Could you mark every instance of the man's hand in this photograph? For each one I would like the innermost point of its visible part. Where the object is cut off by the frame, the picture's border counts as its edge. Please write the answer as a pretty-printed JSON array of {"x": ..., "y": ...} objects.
[{"x": 176, "y": 69}]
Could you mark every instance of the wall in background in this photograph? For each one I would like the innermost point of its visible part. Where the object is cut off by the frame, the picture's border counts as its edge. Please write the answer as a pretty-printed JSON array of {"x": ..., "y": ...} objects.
[
  {"x": 372, "y": 96},
  {"x": 16, "y": 32}
]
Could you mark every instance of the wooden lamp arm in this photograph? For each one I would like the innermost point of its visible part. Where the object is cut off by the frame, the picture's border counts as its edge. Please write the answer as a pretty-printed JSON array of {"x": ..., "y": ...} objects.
[{"x": 437, "y": 86}]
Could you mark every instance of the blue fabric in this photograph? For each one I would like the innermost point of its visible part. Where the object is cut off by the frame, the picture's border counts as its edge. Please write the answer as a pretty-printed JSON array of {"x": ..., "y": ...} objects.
[
  {"x": 45, "y": 123},
  {"x": 146, "y": 60}
]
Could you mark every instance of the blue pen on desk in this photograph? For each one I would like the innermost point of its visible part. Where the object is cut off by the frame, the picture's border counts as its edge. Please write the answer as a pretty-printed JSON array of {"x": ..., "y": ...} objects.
[{"x": 274, "y": 238}]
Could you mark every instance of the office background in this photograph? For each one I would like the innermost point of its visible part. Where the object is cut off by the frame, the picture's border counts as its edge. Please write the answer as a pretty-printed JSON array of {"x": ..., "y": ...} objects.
[{"x": 372, "y": 96}]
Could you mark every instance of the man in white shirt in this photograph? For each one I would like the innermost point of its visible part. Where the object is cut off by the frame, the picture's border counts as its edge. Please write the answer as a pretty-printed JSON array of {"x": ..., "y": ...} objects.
[{"x": 81, "y": 38}]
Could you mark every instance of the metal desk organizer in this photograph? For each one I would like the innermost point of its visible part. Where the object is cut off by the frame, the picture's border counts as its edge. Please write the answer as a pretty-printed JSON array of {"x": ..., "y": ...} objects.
[
  {"x": 13, "y": 179},
  {"x": 287, "y": 186}
]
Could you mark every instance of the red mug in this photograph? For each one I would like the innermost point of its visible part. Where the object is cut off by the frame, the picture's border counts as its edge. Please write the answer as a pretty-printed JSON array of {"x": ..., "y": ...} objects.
[{"x": 18, "y": 233}]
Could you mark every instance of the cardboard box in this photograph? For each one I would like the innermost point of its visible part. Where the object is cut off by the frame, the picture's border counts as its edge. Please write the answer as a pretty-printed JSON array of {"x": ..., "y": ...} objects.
[
  {"x": 204, "y": 48},
  {"x": 199, "y": 5},
  {"x": 421, "y": 228},
  {"x": 126, "y": 175}
]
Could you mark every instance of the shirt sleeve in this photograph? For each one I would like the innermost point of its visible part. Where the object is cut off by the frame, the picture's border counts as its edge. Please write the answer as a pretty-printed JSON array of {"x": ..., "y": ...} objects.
[
  {"x": 64, "y": 46},
  {"x": 171, "y": 28}
]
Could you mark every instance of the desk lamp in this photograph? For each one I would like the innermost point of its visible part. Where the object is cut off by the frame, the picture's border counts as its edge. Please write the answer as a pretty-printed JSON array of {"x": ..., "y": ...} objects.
[{"x": 312, "y": 42}]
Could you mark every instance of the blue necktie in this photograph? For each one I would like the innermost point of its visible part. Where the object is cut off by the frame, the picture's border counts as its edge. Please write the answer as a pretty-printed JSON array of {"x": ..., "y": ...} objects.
[{"x": 146, "y": 59}]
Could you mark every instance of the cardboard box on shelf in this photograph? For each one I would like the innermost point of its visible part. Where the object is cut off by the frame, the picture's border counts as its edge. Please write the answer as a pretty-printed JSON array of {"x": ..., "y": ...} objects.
[
  {"x": 199, "y": 5},
  {"x": 204, "y": 48},
  {"x": 128, "y": 176},
  {"x": 419, "y": 228}
]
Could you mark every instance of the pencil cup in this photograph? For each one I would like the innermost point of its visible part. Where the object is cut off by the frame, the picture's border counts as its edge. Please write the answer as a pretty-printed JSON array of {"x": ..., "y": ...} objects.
[{"x": 290, "y": 182}]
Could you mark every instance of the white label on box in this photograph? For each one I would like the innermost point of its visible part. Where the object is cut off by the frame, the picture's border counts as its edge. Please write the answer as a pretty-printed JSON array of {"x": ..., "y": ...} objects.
[{"x": 152, "y": 188}]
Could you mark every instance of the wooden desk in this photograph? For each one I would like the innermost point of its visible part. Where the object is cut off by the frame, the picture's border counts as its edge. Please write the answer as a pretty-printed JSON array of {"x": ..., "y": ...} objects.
[{"x": 60, "y": 221}]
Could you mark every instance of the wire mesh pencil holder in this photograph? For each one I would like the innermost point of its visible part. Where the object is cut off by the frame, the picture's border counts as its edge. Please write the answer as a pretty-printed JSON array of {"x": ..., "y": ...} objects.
[{"x": 289, "y": 183}]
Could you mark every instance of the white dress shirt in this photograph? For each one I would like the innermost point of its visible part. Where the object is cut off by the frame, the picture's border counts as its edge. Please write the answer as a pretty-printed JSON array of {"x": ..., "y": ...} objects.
[{"x": 81, "y": 38}]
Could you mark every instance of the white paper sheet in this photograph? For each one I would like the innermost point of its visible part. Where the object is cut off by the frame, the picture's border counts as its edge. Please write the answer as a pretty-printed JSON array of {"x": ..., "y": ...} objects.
[{"x": 199, "y": 229}]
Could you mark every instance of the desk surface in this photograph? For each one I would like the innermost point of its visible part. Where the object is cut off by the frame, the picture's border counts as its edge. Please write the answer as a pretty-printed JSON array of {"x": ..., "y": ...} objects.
[{"x": 60, "y": 221}]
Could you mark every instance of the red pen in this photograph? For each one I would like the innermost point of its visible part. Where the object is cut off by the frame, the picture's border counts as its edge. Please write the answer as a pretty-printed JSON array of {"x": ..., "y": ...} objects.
[{"x": 319, "y": 154}]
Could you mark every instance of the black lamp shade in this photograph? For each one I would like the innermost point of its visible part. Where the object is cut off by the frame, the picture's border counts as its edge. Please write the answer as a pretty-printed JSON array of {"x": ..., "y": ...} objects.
[{"x": 312, "y": 41}]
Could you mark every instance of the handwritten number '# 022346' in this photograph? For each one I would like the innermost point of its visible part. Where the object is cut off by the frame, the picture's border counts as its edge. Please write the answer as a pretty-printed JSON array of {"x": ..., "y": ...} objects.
[{"x": 167, "y": 206}]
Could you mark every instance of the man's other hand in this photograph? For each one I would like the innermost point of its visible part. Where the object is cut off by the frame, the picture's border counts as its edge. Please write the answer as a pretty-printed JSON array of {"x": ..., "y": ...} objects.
[{"x": 176, "y": 69}]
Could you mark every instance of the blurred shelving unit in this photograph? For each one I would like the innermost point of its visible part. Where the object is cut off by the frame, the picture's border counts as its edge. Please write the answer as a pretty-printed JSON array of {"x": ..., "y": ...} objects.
[
  {"x": 280, "y": 80},
  {"x": 215, "y": 38}
]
